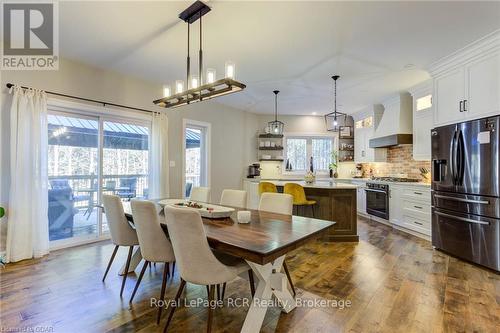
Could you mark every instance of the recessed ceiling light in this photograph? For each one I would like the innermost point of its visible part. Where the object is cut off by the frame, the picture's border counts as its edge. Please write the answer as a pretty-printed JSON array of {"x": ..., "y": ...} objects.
[
  {"x": 314, "y": 113},
  {"x": 409, "y": 66}
]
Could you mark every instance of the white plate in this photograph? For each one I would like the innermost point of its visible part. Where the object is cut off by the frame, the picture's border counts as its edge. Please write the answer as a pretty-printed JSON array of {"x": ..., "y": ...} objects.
[{"x": 218, "y": 212}]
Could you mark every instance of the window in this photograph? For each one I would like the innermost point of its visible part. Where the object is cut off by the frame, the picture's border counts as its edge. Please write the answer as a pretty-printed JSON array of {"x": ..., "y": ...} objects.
[
  {"x": 196, "y": 155},
  {"x": 91, "y": 155},
  {"x": 300, "y": 149},
  {"x": 296, "y": 153}
]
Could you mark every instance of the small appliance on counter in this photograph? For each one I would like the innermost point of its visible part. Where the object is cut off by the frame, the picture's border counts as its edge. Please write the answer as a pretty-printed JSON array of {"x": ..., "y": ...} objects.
[
  {"x": 358, "y": 173},
  {"x": 253, "y": 170}
]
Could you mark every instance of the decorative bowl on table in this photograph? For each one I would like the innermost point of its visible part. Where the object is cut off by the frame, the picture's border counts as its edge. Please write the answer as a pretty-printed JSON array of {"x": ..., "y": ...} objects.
[{"x": 206, "y": 210}]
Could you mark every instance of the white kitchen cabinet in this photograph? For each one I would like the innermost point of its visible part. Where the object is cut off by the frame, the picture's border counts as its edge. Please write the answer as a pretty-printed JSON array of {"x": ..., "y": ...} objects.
[
  {"x": 362, "y": 151},
  {"x": 361, "y": 199},
  {"x": 395, "y": 208},
  {"x": 415, "y": 205},
  {"x": 483, "y": 87},
  {"x": 449, "y": 91},
  {"x": 422, "y": 120},
  {"x": 467, "y": 83}
]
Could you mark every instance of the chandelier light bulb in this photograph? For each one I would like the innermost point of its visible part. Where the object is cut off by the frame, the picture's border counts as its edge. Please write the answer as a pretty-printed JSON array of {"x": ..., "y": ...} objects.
[
  {"x": 195, "y": 81},
  {"x": 179, "y": 86},
  {"x": 230, "y": 69},
  {"x": 210, "y": 75},
  {"x": 166, "y": 91}
]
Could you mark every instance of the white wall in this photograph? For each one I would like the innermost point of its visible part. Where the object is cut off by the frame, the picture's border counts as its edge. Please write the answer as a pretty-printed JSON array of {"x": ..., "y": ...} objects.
[{"x": 233, "y": 130}]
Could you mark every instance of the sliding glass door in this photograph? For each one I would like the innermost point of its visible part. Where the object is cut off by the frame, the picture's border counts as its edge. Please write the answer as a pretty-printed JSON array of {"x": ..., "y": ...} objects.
[
  {"x": 125, "y": 160},
  {"x": 90, "y": 156},
  {"x": 73, "y": 164}
]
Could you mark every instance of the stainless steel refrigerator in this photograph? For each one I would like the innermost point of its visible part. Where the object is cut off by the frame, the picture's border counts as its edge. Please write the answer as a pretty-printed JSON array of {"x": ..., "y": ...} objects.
[{"x": 466, "y": 190}]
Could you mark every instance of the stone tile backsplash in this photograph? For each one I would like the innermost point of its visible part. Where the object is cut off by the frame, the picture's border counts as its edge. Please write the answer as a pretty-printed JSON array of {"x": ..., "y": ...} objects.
[{"x": 400, "y": 162}]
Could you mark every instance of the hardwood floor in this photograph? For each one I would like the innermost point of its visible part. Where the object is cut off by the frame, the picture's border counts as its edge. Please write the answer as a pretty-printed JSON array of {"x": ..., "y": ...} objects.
[{"x": 395, "y": 282}]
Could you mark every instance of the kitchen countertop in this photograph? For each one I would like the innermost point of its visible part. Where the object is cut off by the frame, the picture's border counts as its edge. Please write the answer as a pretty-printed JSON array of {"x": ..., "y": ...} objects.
[{"x": 338, "y": 183}]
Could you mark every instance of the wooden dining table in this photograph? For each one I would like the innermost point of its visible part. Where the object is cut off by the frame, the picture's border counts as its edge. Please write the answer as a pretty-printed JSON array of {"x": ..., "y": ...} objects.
[{"x": 263, "y": 243}]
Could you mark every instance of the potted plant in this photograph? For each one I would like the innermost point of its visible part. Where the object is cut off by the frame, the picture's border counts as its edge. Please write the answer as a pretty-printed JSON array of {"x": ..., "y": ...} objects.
[
  {"x": 2, "y": 212},
  {"x": 333, "y": 165}
]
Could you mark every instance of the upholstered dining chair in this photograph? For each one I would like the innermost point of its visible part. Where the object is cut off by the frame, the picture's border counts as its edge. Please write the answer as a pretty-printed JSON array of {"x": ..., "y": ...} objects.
[
  {"x": 196, "y": 262},
  {"x": 200, "y": 194},
  {"x": 267, "y": 187},
  {"x": 234, "y": 198},
  {"x": 299, "y": 196},
  {"x": 280, "y": 204},
  {"x": 122, "y": 234},
  {"x": 155, "y": 246}
]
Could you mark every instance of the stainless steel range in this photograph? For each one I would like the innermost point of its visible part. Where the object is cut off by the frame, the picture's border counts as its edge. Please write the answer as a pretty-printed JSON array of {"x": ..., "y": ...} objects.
[{"x": 377, "y": 200}]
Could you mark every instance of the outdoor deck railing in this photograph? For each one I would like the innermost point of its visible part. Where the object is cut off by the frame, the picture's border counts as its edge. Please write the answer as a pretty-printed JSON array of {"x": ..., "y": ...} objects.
[{"x": 86, "y": 185}]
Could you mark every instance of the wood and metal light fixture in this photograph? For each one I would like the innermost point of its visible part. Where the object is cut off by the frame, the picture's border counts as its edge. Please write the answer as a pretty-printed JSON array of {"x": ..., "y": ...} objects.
[
  {"x": 198, "y": 88},
  {"x": 276, "y": 126},
  {"x": 332, "y": 119}
]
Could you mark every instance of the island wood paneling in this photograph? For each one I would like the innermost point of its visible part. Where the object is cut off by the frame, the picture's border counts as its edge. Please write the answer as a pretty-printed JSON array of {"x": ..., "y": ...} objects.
[{"x": 335, "y": 204}]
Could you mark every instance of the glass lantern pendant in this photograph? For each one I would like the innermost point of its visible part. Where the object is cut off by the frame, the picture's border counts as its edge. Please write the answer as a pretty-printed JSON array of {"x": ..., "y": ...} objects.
[{"x": 276, "y": 127}]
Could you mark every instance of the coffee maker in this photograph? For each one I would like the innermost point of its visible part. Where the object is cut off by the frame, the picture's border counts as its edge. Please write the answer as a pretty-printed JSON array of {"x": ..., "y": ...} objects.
[{"x": 253, "y": 170}]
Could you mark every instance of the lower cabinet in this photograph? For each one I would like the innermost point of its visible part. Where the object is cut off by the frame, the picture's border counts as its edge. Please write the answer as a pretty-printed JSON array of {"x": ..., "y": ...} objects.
[
  {"x": 360, "y": 198},
  {"x": 395, "y": 211},
  {"x": 411, "y": 208}
]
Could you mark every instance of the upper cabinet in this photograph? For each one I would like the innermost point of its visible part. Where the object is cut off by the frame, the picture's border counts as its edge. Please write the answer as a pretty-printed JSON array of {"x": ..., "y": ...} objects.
[
  {"x": 467, "y": 83},
  {"x": 364, "y": 128},
  {"x": 422, "y": 120}
]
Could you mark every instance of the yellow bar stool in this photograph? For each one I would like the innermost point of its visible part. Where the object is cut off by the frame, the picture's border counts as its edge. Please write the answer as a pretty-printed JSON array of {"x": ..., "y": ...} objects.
[
  {"x": 299, "y": 196},
  {"x": 267, "y": 187}
]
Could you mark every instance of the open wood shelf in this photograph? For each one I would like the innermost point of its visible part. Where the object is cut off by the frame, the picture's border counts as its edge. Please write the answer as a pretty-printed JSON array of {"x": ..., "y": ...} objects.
[
  {"x": 270, "y": 159},
  {"x": 271, "y": 136},
  {"x": 270, "y": 148}
]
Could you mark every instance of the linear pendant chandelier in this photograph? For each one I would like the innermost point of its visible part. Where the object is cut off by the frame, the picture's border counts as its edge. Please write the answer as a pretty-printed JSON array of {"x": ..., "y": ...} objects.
[{"x": 199, "y": 88}]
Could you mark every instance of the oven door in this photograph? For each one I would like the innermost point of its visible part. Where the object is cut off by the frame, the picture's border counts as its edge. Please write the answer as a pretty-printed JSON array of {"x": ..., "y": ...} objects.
[{"x": 377, "y": 203}]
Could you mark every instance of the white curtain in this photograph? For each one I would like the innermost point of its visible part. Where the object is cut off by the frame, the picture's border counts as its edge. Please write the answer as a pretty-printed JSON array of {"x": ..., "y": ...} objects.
[
  {"x": 28, "y": 229},
  {"x": 159, "y": 164}
]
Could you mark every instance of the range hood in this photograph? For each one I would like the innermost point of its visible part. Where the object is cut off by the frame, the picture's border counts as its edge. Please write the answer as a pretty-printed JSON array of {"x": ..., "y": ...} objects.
[{"x": 396, "y": 126}]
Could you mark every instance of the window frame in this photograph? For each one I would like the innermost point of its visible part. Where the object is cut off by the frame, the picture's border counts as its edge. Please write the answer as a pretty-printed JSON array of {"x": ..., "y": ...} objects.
[
  {"x": 101, "y": 114},
  {"x": 206, "y": 129},
  {"x": 309, "y": 137}
]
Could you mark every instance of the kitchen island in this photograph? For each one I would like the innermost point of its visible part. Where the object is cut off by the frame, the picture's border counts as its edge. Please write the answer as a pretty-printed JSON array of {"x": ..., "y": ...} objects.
[{"x": 334, "y": 202}]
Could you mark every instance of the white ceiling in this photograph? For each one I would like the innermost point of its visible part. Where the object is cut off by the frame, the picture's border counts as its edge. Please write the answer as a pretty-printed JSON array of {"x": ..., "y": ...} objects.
[{"x": 294, "y": 47}]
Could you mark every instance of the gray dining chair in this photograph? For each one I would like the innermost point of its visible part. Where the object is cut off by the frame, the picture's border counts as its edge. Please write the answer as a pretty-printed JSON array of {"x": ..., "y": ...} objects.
[
  {"x": 122, "y": 233},
  {"x": 234, "y": 198},
  {"x": 196, "y": 261},
  {"x": 280, "y": 204},
  {"x": 200, "y": 194},
  {"x": 155, "y": 246}
]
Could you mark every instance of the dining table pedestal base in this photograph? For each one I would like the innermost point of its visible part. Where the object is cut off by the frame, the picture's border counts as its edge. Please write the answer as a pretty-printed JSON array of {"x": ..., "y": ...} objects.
[{"x": 271, "y": 281}]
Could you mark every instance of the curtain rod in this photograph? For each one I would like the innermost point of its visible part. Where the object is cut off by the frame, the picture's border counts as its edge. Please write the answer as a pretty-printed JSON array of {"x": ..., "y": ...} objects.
[{"x": 10, "y": 85}]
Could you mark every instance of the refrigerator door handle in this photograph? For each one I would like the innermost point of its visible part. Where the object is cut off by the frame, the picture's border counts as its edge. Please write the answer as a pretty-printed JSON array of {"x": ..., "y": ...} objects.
[
  {"x": 453, "y": 155},
  {"x": 463, "y": 219},
  {"x": 460, "y": 158},
  {"x": 480, "y": 202}
]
